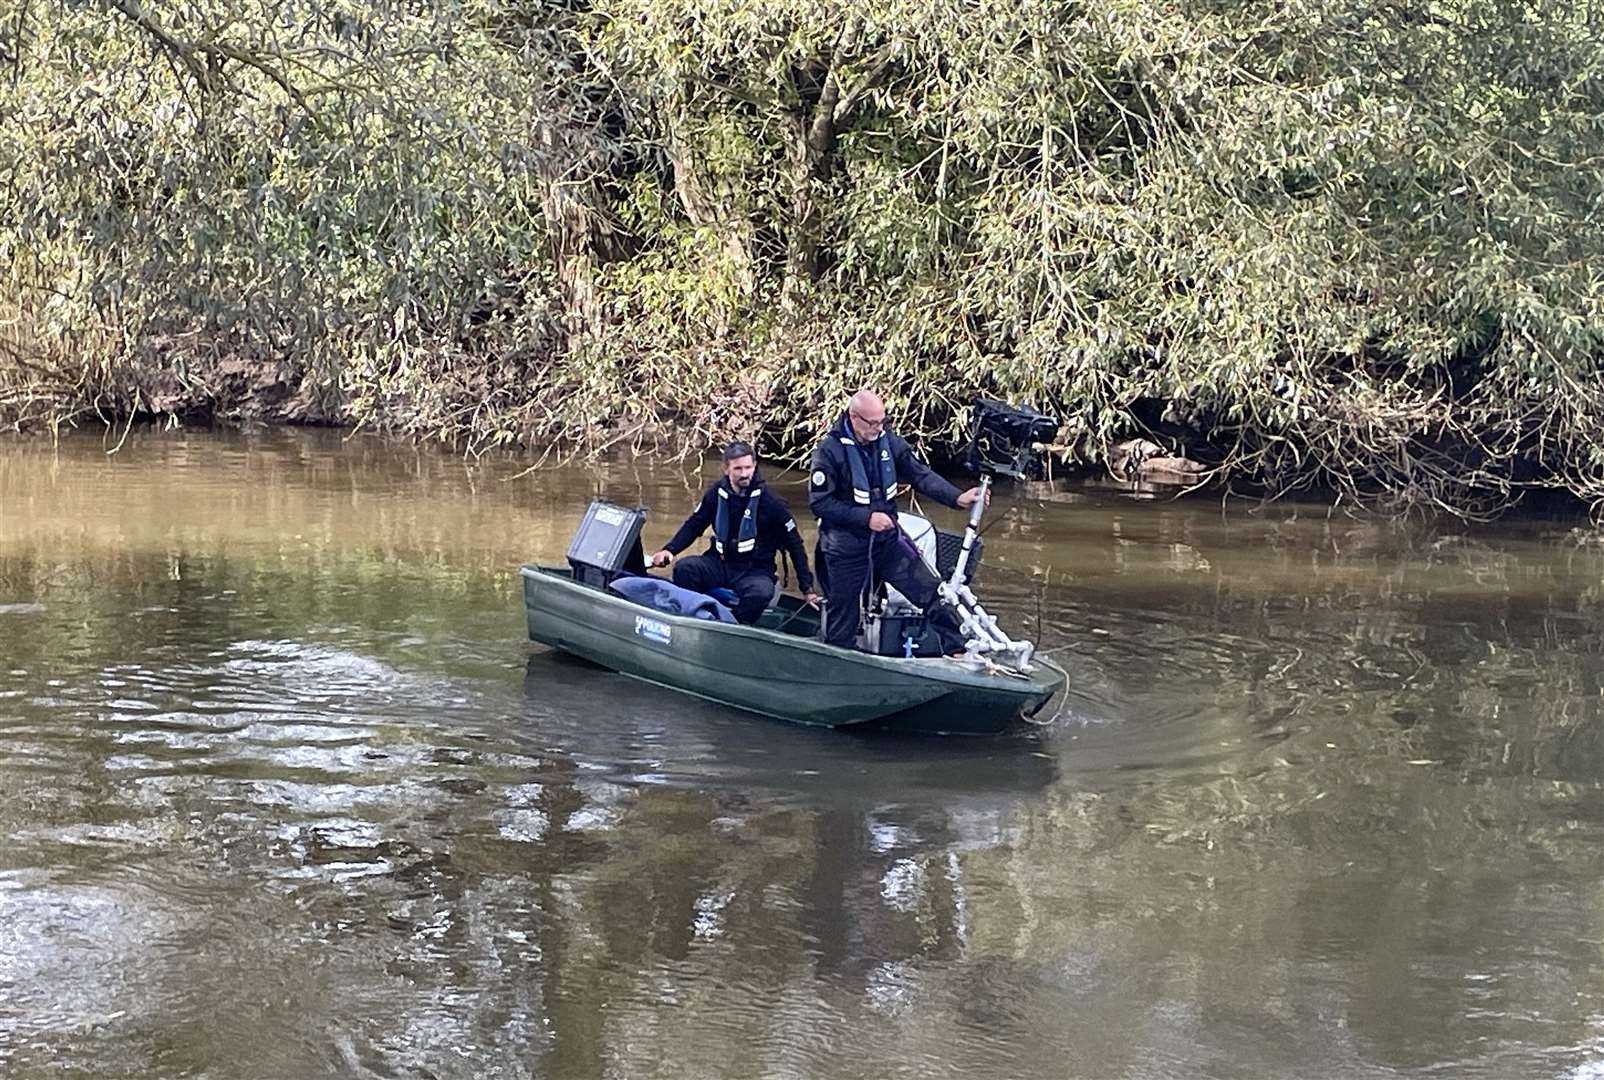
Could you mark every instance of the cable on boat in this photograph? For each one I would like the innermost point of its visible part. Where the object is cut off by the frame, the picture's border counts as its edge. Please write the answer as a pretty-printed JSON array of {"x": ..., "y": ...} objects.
[
  {"x": 787, "y": 620},
  {"x": 1063, "y": 701}
]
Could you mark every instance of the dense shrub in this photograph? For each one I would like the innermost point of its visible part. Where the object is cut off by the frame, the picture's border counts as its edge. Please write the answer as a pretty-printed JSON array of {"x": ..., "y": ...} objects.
[{"x": 1350, "y": 245}]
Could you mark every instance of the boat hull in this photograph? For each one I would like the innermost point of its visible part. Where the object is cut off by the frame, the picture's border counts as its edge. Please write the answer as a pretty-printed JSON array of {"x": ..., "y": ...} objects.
[{"x": 777, "y": 674}]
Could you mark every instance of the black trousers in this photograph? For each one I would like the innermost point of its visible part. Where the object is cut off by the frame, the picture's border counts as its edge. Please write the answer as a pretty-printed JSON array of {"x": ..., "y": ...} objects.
[
  {"x": 700, "y": 573},
  {"x": 848, "y": 575}
]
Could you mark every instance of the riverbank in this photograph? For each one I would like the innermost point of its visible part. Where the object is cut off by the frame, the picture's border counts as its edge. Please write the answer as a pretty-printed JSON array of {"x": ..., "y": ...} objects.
[{"x": 1166, "y": 477}]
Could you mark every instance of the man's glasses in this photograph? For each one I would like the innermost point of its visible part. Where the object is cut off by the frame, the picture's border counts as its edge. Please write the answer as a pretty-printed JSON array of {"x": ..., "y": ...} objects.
[{"x": 866, "y": 422}]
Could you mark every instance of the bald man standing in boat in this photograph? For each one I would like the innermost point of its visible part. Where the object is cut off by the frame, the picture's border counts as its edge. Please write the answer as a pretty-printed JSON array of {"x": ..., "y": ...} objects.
[{"x": 858, "y": 472}]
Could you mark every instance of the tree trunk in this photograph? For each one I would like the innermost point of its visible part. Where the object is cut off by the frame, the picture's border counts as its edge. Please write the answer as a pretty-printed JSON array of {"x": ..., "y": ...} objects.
[
  {"x": 581, "y": 235},
  {"x": 807, "y": 166},
  {"x": 712, "y": 205},
  {"x": 809, "y": 154}
]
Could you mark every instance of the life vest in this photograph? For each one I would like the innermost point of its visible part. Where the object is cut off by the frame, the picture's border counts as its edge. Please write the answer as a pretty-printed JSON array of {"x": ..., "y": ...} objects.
[
  {"x": 860, "y": 477},
  {"x": 746, "y": 539}
]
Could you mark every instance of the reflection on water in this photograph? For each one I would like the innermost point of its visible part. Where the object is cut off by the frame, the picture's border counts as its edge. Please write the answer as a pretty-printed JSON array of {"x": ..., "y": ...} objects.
[{"x": 284, "y": 793}]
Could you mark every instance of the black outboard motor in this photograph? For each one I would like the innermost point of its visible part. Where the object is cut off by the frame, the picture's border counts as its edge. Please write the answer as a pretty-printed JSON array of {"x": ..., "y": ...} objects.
[
  {"x": 1003, "y": 438},
  {"x": 607, "y": 545}
]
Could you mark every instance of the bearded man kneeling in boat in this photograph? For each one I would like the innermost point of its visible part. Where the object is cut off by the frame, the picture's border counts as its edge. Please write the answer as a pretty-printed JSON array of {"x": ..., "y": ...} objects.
[{"x": 750, "y": 524}]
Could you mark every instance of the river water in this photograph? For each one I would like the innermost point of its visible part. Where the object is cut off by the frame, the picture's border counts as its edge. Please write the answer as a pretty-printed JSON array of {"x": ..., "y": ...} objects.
[{"x": 284, "y": 792}]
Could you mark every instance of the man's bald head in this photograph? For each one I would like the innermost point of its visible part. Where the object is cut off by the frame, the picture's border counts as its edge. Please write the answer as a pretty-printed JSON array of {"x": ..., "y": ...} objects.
[
  {"x": 866, "y": 401},
  {"x": 867, "y": 414}
]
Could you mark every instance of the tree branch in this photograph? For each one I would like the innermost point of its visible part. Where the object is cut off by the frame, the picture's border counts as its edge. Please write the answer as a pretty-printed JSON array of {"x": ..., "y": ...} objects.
[
  {"x": 179, "y": 51},
  {"x": 877, "y": 70},
  {"x": 189, "y": 53}
]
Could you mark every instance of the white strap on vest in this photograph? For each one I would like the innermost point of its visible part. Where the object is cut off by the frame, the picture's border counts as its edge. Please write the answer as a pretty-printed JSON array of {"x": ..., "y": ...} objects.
[
  {"x": 860, "y": 496},
  {"x": 743, "y": 547}
]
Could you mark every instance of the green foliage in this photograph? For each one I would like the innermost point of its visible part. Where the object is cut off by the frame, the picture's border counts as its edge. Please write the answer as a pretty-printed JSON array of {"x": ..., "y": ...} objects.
[
  {"x": 264, "y": 183},
  {"x": 1349, "y": 245}
]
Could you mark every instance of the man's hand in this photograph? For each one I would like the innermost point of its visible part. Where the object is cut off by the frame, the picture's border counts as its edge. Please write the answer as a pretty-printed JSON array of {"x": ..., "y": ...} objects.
[
  {"x": 967, "y": 499},
  {"x": 812, "y": 599},
  {"x": 880, "y": 522},
  {"x": 660, "y": 558}
]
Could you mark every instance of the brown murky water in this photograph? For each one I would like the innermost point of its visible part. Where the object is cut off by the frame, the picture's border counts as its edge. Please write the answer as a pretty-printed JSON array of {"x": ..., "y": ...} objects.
[{"x": 284, "y": 793}]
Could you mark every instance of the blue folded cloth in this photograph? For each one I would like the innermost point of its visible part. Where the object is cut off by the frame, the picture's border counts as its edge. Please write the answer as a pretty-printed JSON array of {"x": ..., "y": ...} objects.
[{"x": 666, "y": 596}]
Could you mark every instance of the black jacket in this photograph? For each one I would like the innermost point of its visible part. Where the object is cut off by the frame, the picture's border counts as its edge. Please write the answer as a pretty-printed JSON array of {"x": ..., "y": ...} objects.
[
  {"x": 843, "y": 520},
  {"x": 776, "y": 528}
]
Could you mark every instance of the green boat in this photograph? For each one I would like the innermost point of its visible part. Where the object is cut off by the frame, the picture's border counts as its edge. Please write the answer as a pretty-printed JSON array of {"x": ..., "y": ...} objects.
[{"x": 777, "y": 668}]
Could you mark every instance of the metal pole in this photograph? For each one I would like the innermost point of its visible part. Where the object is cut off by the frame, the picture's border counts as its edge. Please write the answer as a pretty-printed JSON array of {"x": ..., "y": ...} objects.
[
  {"x": 970, "y": 533},
  {"x": 979, "y": 625}
]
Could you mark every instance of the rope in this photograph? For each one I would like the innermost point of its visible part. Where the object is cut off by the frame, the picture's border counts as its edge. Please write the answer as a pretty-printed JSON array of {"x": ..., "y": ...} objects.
[
  {"x": 787, "y": 620},
  {"x": 1063, "y": 702}
]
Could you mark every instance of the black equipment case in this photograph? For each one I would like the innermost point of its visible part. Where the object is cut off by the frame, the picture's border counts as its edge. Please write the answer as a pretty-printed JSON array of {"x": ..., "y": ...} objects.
[{"x": 607, "y": 544}]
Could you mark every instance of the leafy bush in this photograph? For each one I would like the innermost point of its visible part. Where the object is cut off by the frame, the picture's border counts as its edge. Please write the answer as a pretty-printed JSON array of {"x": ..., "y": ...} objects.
[{"x": 1352, "y": 246}]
